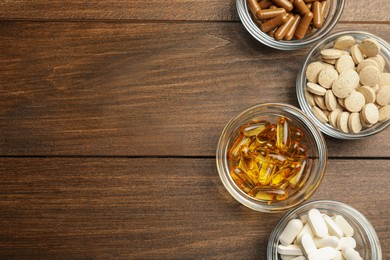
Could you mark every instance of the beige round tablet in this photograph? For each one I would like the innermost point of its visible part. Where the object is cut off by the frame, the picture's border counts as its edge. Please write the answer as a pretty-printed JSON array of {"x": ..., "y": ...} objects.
[
  {"x": 354, "y": 124},
  {"x": 356, "y": 54},
  {"x": 331, "y": 54},
  {"x": 355, "y": 102},
  {"x": 330, "y": 61},
  {"x": 370, "y": 113},
  {"x": 312, "y": 71},
  {"x": 342, "y": 121},
  {"x": 330, "y": 101},
  {"x": 319, "y": 114},
  {"x": 384, "y": 113},
  {"x": 345, "y": 84},
  {"x": 385, "y": 79},
  {"x": 369, "y": 76},
  {"x": 320, "y": 102},
  {"x": 370, "y": 47},
  {"x": 365, "y": 63},
  {"x": 378, "y": 62},
  {"x": 344, "y": 42},
  {"x": 316, "y": 89},
  {"x": 375, "y": 88},
  {"x": 382, "y": 60},
  {"x": 309, "y": 98},
  {"x": 368, "y": 93},
  {"x": 383, "y": 95},
  {"x": 340, "y": 101},
  {"x": 327, "y": 76},
  {"x": 332, "y": 117},
  {"x": 345, "y": 62}
]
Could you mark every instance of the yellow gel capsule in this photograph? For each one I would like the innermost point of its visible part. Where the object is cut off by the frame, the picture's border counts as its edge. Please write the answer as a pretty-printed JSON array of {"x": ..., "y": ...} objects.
[
  {"x": 282, "y": 133},
  {"x": 255, "y": 129},
  {"x": 264, "y": 196},
  {"x": 297, "y": 177},
  {"x": 234, "y": 151},
  {"x": 280, "y": 176},
  {"x": 265, "y": 173}
]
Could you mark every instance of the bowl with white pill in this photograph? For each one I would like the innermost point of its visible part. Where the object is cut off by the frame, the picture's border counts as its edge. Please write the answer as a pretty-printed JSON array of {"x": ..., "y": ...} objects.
[
  {"x": 289, "y": 25},
  {"x": 271, "y": 157},
  {"x": 324, "y": 229},
  {"x": 344, "y": 85}
]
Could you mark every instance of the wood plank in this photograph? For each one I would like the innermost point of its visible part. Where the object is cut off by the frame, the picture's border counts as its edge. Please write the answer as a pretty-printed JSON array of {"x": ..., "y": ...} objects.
[
  {"x": 141, "y": 89},
  {"x": 211, "y": 10},
  {"x": 125, "y": 208}
]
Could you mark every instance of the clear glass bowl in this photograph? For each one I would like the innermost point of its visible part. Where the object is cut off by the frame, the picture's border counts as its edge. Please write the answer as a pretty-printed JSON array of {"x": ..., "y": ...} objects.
[
  {"x": 335, "y": 10},
  {"x": 314, "y": 55},
  {"x": 367, "y": 242},
  {"x": 314, "y": 141}
]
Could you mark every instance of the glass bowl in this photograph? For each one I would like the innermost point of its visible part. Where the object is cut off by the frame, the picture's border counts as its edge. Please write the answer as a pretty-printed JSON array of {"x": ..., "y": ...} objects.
[
  {"x": 335, "y": 10},
  {"x": 314, "y": 55},
  {"x": 367, "y": 242},
  {"x": 313, "y": 140}
]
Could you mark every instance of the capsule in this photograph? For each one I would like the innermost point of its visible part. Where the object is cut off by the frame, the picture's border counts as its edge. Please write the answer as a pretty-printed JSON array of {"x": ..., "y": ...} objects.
[
  {"x": 253, "y": 130},
  {"x": 254, "y": 7},
  {"x": 318, "y": 19},
  {"x": 303, "y": 26},
  {"x": 301, "y": 6},
  {"x": 264, "y": 4},
  {"x": 279, "y": 177},
  {"x": 265, "y": 173},
  {"x": 294, "y": 181},
  {"x": 282, "y": 30},
  {"x": 282, "y": 133},
  {"x": 273, "y": 23},
  {"x": 270, "y": 13},
  {"x": 272, "y": 32},
  {"x": 234, "y": 151},
  {"x": 287, "y": 5},
  {"x": 291, "y": 31},
  {"x": 309, "y": 1},
  {"x": 324, "y": 8}
]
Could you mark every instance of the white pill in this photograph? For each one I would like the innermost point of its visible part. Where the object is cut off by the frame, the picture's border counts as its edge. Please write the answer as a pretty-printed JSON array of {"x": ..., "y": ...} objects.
[
  {"x": 334, "y": 230},
  {"x": 317, "y": 223},
  {"x": 346, "y": 242},
  {"x": 344, "y": 225},
  {"x": 338, "y": 256},
  {"x": 303, "y": 218},
  {"x": 301, "y": 257},
  {"x": 325, "y": 253},
  {"x": 290, "y": 232},
  {"x": 331, "y": 241},
  {"x": 351, "y": 254},
  {"x": 308, "y": 244},
  {"x": 305, "y": 230},
  {"x": 289, "y": 250},
  {"x": 287, "y": 257}
]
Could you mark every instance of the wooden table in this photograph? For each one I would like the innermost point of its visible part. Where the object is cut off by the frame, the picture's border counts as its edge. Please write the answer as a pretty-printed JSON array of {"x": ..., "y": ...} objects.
[{"x": 110, "y": 116}]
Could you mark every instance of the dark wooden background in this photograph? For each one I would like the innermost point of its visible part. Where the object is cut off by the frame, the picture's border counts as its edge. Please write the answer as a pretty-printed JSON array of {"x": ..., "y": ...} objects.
[{"x": 110, "y": 112}]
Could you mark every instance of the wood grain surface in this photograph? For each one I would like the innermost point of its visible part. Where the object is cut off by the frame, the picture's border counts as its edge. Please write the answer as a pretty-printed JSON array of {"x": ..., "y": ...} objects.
[
  {"x": 154, "y": 208},
  {"x": 189, "y": 10}
]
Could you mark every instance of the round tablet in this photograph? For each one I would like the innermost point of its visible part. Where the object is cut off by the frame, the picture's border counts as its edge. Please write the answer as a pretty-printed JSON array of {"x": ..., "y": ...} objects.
[
  {"x": 354, "y": 124},
  {"x": 378, "y": 61},
  {"x": 356, "y": 54},
  {"x": 320, "y": 101},
  {"x": 332, "y": 117},
  {"x": 369, "y": 75},
  {"x": 330, "y": 100},
  {"x": 365, "y": 63},
  {"x": 316, "y": 89},
  {"x": 384, "y": 113},
  {"x": 355, "y": 102},
  {"x": 312, "y": 71},
  {"x": 327, "y": 76},
  {"x": 344, "y": 42},
  {"x": 319, "y": 114},
  {"x": 370, "y": 113},
  {"x": 368, "y": 93},
  {"x": 370, "y": 47},
  {"x": 309, "y": 98},
  {"x": 345, "y": 62},
  {"x": 331, "y": 54},
  {"x": 385, "y": 79},
  {"x": 342, "y": 121},
  {"x": 383, "y": 96}
]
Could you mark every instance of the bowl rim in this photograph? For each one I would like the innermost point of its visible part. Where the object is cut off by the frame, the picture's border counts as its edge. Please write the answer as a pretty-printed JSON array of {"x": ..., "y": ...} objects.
[
  {"x": 221, "y": 156},
  {"x": 254, "y": 30},
  {"x": 301, "y": 82}
]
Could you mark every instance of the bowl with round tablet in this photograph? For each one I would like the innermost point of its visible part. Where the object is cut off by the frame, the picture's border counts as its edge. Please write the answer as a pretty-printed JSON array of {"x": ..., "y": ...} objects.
[
  {"x": 325, "y": 229},
  {"x": 344, "y": 85},
  {"x": 286, "y": 25},
  {"x": 271, "y": 157}
]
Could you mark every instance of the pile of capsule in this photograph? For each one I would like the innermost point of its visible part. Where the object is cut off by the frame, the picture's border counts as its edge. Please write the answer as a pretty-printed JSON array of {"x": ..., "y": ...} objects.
[
  {"x": 288, "y": 19},
  {"x": 269, "y": 161}
]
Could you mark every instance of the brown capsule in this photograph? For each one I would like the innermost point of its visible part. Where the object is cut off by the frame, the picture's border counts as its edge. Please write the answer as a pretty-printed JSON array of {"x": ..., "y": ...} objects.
[
  {"x": 303, "y": 26},
  {"x": 273, "y": 7},
  {"x": 324, "y": 8},
  {"x": 254, "y": 6},
  {"x": 282, "y": 30},
  {"x": 272, "y": 32},
  {"x": 301, "y": 6},
  {"x": 264, "y": 4},
  {"x": 318, "y": 19},
  {"x": 309, "y": 5},
  {"x": 291, "y": 31},
  {"x": 273, "y": 23},
  {"x": 309, "y": 1},
  {"x": 284, "y": 4},
  {"x": 270, "y": 13}
]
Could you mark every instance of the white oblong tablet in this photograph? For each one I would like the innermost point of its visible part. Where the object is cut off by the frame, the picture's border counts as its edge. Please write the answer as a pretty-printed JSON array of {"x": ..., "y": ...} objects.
[
  {"x": 346, "y": 242},
  {"x": 333, "y": 229},
  {"x": 317, "y": 223},
  {"x": 344, "y": 225},
  {"x": 305, "y": 230},
  {"x": 308, "y": 244},
  {"x": 331, "y": 241},
  {"x": 287, "y": 257},
  {"x": 351, "y": 254},
  {"x": 323, "y": 253},
  {"x": 301, "y": 257},
  {"x": 289, "y": 250},
  {"x": 290, "y": 232}
]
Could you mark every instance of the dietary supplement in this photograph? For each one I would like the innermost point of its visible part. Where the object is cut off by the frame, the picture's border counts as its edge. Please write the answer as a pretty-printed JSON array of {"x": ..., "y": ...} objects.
[
  {"x": 287, "y": 20},
  {"x": 269, "y": 161}
]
